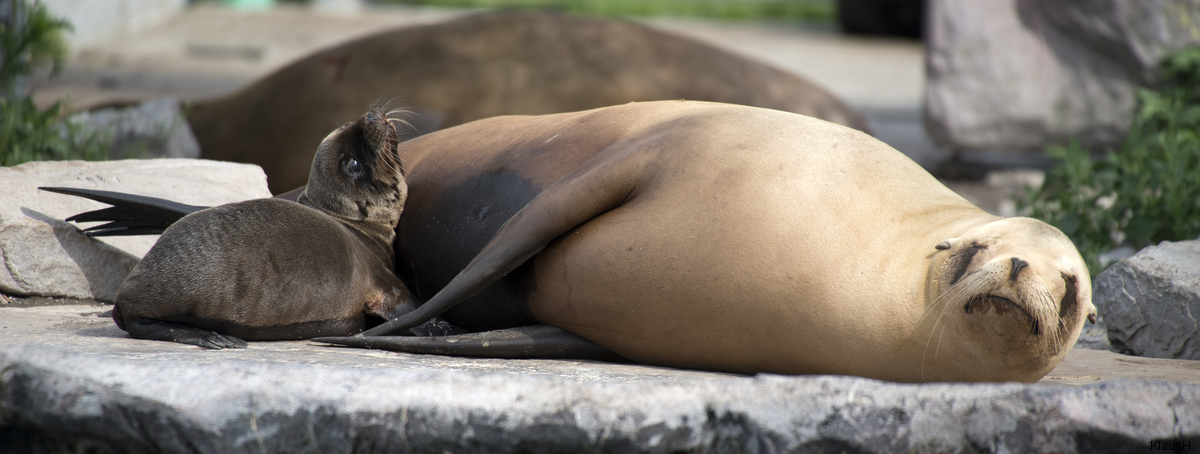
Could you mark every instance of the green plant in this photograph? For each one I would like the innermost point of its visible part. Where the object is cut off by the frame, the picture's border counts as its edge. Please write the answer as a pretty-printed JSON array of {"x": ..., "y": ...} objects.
[
  {"x": 30, "y": 42},
  {"x": 1146, "y": 191},
  {"x": 28, "y": 133},
  {"x": 31, "y": 134}
]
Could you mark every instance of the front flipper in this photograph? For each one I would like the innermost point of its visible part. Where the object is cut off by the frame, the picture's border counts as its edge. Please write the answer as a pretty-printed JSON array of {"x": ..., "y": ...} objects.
[
  {"x": 129, "y": 214},
  {"x": 143, "y": 328},
  {"x": 601, "y": 184},
  {"x": 526, "y": 342}
]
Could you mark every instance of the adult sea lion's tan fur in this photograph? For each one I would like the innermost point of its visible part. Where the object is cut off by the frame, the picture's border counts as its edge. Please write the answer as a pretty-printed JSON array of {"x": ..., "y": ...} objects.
[
  {"x": 733, "y": 238},
  {"x": 272, "y": 269},
  {"x": 483, "y": 66}
]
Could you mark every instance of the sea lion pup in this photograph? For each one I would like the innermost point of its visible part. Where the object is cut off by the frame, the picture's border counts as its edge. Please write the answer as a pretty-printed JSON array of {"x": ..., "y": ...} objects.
[
  {"x": 271, "y": 269},
  {"x": 731, "y": 238}
]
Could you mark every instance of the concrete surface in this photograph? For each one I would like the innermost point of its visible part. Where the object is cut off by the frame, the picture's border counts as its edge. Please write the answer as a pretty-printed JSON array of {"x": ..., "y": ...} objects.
[
  {"x": 77, "y": 326},
  {"x": 70, "y": 381},
  {"x": 210, "y": 51}
]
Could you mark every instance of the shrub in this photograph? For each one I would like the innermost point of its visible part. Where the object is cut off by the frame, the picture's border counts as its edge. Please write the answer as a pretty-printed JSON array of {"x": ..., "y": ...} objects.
[
  {"x": 1146, "y": 191},
  {"x": 28, "y": 133}
]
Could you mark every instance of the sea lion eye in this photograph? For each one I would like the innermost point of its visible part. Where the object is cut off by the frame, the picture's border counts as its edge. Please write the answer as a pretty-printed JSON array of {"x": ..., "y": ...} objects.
[
  {"x": 961, "y": 261},
  {"x": 353, "y": 167}
]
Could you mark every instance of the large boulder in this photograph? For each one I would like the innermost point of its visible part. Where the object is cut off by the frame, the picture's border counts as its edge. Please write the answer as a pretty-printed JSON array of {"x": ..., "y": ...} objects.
[
  {"x": 1151, "y": 301},
  {"x": 1014, "y": 76},
  {"x": 482, "y": 66},
  {"x": 41, "y": 255},
  {"x": 152, "y": 129}
]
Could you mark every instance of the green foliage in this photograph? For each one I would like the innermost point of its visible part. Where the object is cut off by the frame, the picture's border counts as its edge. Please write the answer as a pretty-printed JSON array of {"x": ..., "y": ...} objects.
[
  {"x": 26, "y": 132},
  {"x": 25, "y": 45},
  {"x": 805, "y": 10},
  {"x": 1143, "y": 193},
  {"x": 30, "y": 134}
]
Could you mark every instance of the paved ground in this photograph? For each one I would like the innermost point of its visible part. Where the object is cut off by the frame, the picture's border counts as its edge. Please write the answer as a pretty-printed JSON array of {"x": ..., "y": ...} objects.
[{"x": 210, "y": 50}]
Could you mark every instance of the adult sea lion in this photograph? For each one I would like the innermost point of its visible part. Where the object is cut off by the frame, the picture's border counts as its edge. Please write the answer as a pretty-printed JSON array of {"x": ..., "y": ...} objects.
[
  {"x": 270, "y": 269},
  {"x": 730, "y": 238},
  {"x": 481, "y": 66}
]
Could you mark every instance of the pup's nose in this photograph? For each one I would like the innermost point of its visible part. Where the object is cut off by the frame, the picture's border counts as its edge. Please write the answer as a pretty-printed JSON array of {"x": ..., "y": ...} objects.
[{"x": 1017, "y": 266}]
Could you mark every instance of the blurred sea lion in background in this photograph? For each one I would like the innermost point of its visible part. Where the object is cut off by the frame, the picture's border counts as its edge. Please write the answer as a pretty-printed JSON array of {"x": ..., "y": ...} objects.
[{"x": 482, "y": 66}]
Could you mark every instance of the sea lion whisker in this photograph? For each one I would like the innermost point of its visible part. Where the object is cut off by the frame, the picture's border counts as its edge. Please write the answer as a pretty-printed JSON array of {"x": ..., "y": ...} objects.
[
  {"x": 404, "y": 122},
  {"x": 392, "y": 113},
  {"x": 953, "y": 293},
  {"x": 377, "y": 104},
  {"x": 963, "y": 286},
  {"x": 970, "y": 284},
  {"x": 1049, "y": 309},
  {"x": 388, "y": 106}
]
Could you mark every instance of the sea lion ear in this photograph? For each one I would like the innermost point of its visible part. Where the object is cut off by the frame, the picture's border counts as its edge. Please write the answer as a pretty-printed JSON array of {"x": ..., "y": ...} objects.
[{"x": 945, "y": 244}]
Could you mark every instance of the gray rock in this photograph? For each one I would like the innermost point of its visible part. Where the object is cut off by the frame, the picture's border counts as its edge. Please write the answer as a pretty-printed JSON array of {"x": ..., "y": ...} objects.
[
  {"x": 72, "y": 382},
  {"x": 152, "y": 129},
  {"x": 40, "y": 255},
  {"x": 1094, "y": 336},
  {"x": 1151, "y": 301},
  {"x": 1012, "y": 76},
  {"x": 1134, "y": 33}
]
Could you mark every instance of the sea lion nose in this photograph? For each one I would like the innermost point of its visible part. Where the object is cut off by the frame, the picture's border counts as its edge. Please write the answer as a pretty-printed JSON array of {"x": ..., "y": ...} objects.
[
  {"x": 1017, "y": 266},
  {"x": 374, "y": 117}
]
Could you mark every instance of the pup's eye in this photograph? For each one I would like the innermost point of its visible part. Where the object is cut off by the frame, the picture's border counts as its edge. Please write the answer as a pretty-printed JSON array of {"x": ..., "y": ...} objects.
[{"x": 353, "y": 167}]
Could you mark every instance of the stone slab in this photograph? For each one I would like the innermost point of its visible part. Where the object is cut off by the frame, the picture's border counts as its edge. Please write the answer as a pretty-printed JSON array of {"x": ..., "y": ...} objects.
[
  {"x": 40, "y": 255},
  {"x": 71, "y": 380}
]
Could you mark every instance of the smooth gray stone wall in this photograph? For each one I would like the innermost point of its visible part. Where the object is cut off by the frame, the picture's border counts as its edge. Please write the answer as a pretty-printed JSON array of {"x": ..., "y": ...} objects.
[{"x": 1012, "y": 76}]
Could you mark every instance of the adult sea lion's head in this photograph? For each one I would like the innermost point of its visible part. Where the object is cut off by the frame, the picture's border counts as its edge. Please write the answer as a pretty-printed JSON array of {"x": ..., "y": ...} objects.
[
  {"x": 1015, "y": 289},
  {"x": 357, "y": 174}
]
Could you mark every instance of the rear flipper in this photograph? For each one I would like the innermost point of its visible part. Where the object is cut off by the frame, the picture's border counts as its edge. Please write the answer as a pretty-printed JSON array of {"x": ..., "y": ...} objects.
[
  {"x": 129, "y": 214},
  {"x": 526, "y": 342},
  {"x": 142, "y": 328}
]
